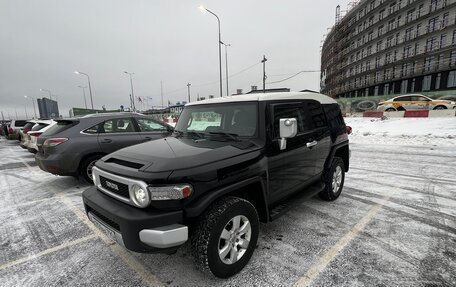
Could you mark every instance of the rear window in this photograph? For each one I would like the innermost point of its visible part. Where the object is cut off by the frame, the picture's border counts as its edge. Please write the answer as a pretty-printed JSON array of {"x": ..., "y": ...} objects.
[
  {"x": 20, "y": 123},
  {"x": 39, "y": 126},
  {"x": 29, "y": 125},
  {"x": 60, "y": 127}
]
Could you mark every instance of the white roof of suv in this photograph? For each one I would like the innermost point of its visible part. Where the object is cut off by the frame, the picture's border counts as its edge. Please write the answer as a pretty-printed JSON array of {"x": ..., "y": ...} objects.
[{"x": 268, "y": 97}]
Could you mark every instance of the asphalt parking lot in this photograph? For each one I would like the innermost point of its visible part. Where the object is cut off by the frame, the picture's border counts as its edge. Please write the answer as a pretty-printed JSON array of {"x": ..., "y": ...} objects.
[{"x": 394, "y": 225}]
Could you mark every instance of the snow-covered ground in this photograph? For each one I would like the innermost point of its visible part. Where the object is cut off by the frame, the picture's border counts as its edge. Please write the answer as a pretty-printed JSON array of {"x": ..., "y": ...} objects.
[{"x": 403, "y": 131}]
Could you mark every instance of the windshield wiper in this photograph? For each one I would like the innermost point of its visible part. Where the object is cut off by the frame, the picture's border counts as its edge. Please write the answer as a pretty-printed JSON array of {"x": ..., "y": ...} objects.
[{"x": 232, "y": 136}]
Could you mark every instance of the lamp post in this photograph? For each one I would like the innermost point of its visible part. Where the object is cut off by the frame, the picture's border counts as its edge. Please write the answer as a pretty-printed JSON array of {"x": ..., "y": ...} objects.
[
  {"x": 226, "y": 67},
  {"x": 25, "y": 108},
  {"x": 131, "y": 86},
  {"x": 188, "y": 88},
  {"x": 84, "y": 93},
  {"x": 48, "y": 91},
  {"x": 219, "y": 43},
  {"x": 33, "y": 102},
  {"x": 90, "y": 88}
]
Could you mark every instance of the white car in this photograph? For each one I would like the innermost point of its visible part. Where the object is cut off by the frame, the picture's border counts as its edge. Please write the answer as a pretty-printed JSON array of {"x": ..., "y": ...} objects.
[
  {"x": 34, "y": 134},
  {"x": 414, "y": 102}
]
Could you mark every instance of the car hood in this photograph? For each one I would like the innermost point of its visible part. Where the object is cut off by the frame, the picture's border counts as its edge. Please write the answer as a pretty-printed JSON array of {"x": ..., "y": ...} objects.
[{"x": 175, "y": 153}]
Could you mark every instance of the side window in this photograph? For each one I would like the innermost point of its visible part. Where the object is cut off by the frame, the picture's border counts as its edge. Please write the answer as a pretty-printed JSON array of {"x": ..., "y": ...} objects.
[
  {"x": 123, "y": 125},
  {"x": 148, "y": 125},
  {"x": 403, "y": 99},
  {"x": 92, "y": 130},
  {"x": 290, "y": 111},
  {"x": 316, "y": 114},
  {"x": 420, "y": 99}
]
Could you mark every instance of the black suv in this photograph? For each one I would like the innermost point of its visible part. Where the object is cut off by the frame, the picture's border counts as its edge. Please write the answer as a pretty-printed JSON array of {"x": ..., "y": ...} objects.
[
  {"x": 72, "y": 146},
  {"x": 230, "y": 163}
]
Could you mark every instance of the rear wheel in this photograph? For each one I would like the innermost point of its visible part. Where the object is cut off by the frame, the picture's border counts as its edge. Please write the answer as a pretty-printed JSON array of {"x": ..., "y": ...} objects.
[
  {"x": 225, "y": 236},
  {"x": 390, "y": 110},
  {"x": 440, "y": 108},
  {"x": 87, "y": 165},
  {"x": 334, "y": 180}
]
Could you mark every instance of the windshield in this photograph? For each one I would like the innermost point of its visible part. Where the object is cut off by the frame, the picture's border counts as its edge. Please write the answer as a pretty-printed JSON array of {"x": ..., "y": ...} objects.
[{"x": 234, "y": 119}]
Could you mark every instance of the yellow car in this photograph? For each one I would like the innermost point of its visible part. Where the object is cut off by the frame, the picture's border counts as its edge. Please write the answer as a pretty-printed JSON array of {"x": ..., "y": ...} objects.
[{"x": 414, "y": 102}]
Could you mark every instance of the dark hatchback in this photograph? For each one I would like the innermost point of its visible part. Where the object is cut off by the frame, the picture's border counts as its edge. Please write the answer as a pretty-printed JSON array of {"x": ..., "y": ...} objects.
[{"x": 73, "y": 145}]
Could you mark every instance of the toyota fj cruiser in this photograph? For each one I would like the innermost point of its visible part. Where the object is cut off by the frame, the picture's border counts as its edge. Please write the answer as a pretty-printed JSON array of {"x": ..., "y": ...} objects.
[{"x": 230, "y": 163}]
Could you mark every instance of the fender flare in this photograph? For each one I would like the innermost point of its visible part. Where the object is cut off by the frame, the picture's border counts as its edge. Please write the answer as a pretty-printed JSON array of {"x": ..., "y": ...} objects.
[
  {"x": 198, "y": 207},
  {"x": 333, "y": 153}
]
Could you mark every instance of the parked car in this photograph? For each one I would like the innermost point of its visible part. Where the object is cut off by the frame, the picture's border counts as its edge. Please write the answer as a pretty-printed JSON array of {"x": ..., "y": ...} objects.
[
  {"x": 14, "y": 128},
  {"x": 40, "y": 128},
  {"x": 4, "y": 128},
  {"x": 72, "y": 146},
  {"x": 451, "y": 98},
  {"x": 25, "y": 138},
  {"x": 231, "y": 163},
  {"x": 414, "y": 102}
]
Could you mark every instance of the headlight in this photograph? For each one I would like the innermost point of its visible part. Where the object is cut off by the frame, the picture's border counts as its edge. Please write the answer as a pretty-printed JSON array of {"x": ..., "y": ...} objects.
[
  {"x": 140, "y": 196},
  {"x": 169, "y": 192}
]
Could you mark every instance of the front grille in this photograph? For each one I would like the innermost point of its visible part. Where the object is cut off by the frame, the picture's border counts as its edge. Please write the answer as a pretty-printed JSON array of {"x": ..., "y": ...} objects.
[
  {"x": 105, "y": 219},
  {"x": 110, "y": 185}
]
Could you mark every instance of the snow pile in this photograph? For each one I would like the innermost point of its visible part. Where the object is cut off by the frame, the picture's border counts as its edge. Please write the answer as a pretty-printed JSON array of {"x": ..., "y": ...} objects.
[{"x": 403, "y": 131}]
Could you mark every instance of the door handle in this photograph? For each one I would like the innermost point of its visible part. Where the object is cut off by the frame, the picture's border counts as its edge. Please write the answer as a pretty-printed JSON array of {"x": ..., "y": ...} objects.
[
  {"x": 311, "y": 144},
  {"x": 106, "y": 141}
]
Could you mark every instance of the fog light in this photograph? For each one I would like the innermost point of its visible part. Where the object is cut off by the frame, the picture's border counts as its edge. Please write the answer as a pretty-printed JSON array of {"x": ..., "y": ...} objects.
[{"x": 140, "y": 196}]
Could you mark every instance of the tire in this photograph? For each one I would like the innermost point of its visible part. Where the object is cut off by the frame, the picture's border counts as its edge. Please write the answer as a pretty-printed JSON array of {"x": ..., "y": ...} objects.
[
  {"x": 440, "y": 108},
  {"x": 334, "y": 179},
  {"x": 390, "y": 110},
  {"x": 218, "y": 220},
  {"x": 85, "y": 169}
]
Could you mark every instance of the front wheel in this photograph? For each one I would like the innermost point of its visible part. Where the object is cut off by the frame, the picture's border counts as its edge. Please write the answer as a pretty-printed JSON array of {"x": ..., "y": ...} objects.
[
  {"x": 333, "y": 179},
  {"x": 440, "y": 108},
  {"x": 225, "y": 236},
  {"x": 390, "y": 110}
]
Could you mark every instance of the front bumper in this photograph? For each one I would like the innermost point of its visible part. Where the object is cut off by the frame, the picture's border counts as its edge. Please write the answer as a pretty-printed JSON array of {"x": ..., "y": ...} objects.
[{"x": 139, "y": 230}]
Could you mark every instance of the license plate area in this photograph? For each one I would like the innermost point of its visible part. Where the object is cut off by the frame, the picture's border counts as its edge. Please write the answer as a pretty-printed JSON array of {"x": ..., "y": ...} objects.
[{"x": 102, "y": 227}]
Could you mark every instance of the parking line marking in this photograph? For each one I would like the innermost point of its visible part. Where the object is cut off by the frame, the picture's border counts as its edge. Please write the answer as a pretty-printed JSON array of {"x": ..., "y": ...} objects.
[
  {"x": 324, "y": 260},
  {"x": 56, "y": 197},
  {"x": 23, "y": 161},
  {"x": 129, "y": 259},
  {"x": 47, "y": 251}
]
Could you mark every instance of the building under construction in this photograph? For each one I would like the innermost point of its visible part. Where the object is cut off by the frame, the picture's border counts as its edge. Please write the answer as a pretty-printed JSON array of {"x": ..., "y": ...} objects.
[{"x": 381, "y": 47}]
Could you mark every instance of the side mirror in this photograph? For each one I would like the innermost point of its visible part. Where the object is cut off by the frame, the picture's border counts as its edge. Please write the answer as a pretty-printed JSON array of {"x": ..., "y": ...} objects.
[{"x": 288, "y": 129}]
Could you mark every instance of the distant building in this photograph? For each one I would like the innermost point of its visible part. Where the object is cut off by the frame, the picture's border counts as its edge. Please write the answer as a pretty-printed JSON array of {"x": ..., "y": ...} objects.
[
  {"x": 276, "y": 90},
  {"x": 177, "y": 109},
  {"x": 391, "y": 47},
  {"x": 48, "y": 108}
]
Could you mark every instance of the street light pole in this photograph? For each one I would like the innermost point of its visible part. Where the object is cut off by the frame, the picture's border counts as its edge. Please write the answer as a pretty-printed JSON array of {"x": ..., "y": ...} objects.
[
  {"x": 188, "y": 87},
  {"x": 48, "y": 91},
  {"x": 33, "y": 102},
  {"x": 131, "y": 86},
  {"x": 264, "y": 73},
  {"x": 84, "y": 93},
  {"x": 26, "y": 116},
  {"x": 220, "y": 45},
  {"x": 90, "y": 88},
  {"x": 226, "y": 67}
]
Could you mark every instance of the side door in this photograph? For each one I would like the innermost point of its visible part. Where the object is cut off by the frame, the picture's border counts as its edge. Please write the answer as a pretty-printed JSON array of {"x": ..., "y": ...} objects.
[
  {"x": 292, "y": 168},
  {"x": 404, "y": 102},
  {"x": 118, "y": 133},
  {"x": 150, "y": 129},
  {"x": 321, "y": 135},
  {"x": 420, "y": 103}
]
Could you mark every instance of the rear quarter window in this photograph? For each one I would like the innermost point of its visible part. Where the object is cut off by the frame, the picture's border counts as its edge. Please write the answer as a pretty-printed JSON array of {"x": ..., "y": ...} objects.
[
  {"x": 317, "y": 115},
  {"x": 20, "y": 123}
]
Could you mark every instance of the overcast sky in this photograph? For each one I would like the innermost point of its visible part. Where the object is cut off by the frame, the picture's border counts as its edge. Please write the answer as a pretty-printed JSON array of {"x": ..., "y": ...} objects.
[{"x": 43, "y": 42}]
